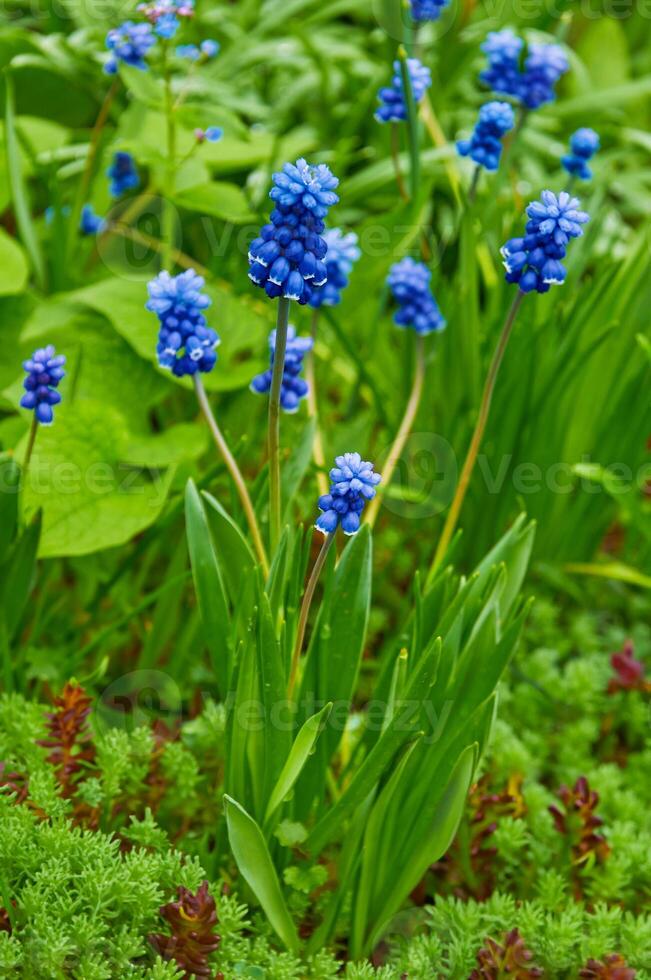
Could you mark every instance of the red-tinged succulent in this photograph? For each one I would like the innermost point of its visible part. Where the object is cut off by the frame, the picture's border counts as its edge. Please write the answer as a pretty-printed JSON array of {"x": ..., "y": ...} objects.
[
  {"x": 612, "y": 967},
  {"x": 5, "y": 921},
  {"x": 69, "y": 737},
  {"x": 14, "y": 782},
  {"x": 629, "y": 672},
  {"x": 191, "y": 920},
  {"x": 509, "y": 958},
  {"x": 578, "y": 821}
]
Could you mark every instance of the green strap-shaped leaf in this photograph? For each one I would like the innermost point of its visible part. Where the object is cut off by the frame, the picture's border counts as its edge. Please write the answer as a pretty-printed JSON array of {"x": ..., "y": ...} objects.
[
  {"x": 209, "y": 586},
  {"x": 256, "y": 867},
  {"x": 22, "y": 208},
  {"x": 17, "y": 584},
  {"x": 9, "y": 483},
  {"x": 298, "y": 756},
  {"x": 235, "y": 556}
]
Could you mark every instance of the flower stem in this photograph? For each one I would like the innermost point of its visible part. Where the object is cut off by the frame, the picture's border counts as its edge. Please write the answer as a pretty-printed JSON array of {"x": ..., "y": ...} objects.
[
  {"x": 274, "y": 421},
  {"x": 168, "y": 208},
  {"x": 313, "y": 411},
  {"x": 234, "y": 471},
  {"x": 30, "y": 445},
  {"x": 84, "y": 182},
  {"x": 412, "y": 125},
  {"x": 405, "y": 428},
  {"x": 472, "y": 192},
  {"x": 484, "y": 409},
  {"x": 317, "y": 568}
]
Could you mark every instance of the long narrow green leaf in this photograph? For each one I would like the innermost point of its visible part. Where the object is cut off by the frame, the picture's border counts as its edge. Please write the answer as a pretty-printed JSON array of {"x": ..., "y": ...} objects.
[
  {"x": 256, "y": 867},
  {"x": 235, "y": 556},
  {"x": 9, "y": 484},
  {"x": 17, "y": 584},
  {"x": 19, "y": 194},
  {"x": 209, "y": 586},
  {"x": 300, "y": 752}
]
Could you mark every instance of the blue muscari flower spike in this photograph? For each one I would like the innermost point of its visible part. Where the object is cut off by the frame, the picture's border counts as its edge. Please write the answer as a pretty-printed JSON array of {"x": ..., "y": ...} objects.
[
  {"x": 533, "y": 83},
  {"x": 409, "y": 282},
  {"x": 128, "y": 43},
  {"x": 393, "y": 107},
  {"x": 293, "y": 388},
  {"x": 584, "y": 143},
  {"x": 44, "y": 372},
  {"x": 189, "y": 51},
  {"x": 423, "y": 10},
  {"x": 353, "y": 482},
  {"x": 535, "y": 261},
  {"x": 186, "y": 344},
  {"x": 122, "y": 174},
  {"x": 210, "y": 48},
  {"x": 343, "y": 252},
  {"x": 485, "y": 144},
  {"x": 90, "y": 223},
  {"x": 287, "y": 257}
]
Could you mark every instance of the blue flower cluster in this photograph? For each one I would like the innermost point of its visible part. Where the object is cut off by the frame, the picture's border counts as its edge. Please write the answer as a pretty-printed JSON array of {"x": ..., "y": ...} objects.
[
  {"x": 584, "y": 143},
  {"x": 535, "y": 261},
  {"x": 90, "y": 223},
  {"x": 353, "y": 482},
  {"x": 194, "y": 52},
  {"x": 485, "y": 145},
  {"x": 44, "y": 372},
  {"x": 186, "y": 344},
  {"x": 293, "y": 388},
  {"x": 533, "y": 85},
  {"x": 287, "y": 257},
  {"x": 128, "y": 43},
  {"x": 122, "y": 173},
  {"x": 393, "y": 106},
  {"x": 409, "y": 282},
  {"x": 213, "y": 134},
  {"x": 343, "y": 252},
  {"x": 165, "y": 14},
  {"x": 422, "y": 10}
]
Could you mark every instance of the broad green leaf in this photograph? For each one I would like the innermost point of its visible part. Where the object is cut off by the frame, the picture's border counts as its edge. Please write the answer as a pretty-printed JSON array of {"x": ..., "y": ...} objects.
[
  {"x": 90, "y": 498},
  {"x": 209, "y": 587},
  {"x": 300, "y": 752},
  {"x": 13, "y": 265},
  {"x": 256, "y": 867},
  {"x": 219, "y": 199}
]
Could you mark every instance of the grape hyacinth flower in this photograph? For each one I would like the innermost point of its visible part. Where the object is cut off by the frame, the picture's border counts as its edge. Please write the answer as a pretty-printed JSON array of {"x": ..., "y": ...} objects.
[
  {"x": 353, "y": 483},
  {"x": 186, "y": 344},
  {"x": 424, "y": 10},
  {"x": 90, "y": 223},
  {"x": 128, "y": 43},
  {"x": 287, "y": 258},
  {"x": 533, "y": 84},
  {"x": 393, "y": 107},
  {"x": 496, "y": 119},
  {"x": 503, "y": 49},
  {"x": 534, "y": 261},
  {"x": 212, "y": 135},
  {"x": 544, "y": 66},
  {"x": 164, "y": 15},
  {"x": 122, "y": 174},
  {"x": 343, "y": 251},
  {"x": 409, "y": 282},
  {"x": 293, "y": 387},
  {"x": 44, "y": 372},
  {"x": 584, "y": 143}
]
